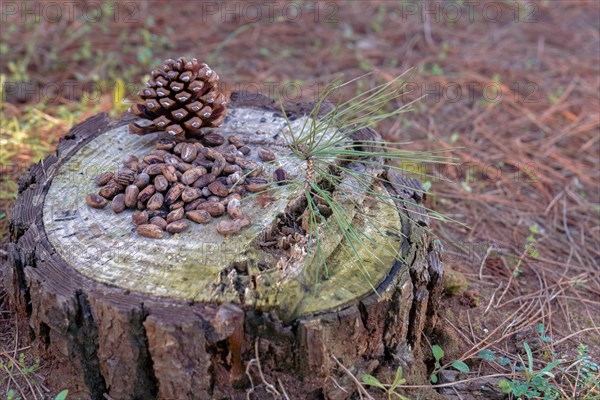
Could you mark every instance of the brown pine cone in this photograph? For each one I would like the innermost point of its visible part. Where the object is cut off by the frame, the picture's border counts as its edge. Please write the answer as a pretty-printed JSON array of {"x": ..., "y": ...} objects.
[{"x": 180, "y": 98}]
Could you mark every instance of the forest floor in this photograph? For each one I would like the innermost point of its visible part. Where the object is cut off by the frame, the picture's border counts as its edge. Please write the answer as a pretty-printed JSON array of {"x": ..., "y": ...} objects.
[{"x": 512, "y": 94}]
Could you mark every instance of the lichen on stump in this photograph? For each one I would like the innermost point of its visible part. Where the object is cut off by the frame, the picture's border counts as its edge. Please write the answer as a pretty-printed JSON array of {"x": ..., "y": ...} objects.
[{"x": 179, "y": 318}]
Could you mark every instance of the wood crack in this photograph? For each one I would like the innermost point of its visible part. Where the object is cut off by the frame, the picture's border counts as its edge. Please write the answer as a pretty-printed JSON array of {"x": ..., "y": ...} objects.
[{"x": 83, "y": 336}]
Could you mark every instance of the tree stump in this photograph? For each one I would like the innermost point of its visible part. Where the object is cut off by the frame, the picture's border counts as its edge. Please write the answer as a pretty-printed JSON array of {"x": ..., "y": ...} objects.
[{"x": 185, "y": 317}]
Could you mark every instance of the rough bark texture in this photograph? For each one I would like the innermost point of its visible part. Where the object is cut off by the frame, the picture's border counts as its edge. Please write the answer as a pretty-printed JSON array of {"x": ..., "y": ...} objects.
[{"x": 128, "y": 345}]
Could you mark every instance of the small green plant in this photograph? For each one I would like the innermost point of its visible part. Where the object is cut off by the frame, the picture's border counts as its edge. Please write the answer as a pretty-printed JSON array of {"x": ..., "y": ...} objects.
[
  {"x": 581, "y": 377},
  {"x": 21, "y": 366},
  {"x": 542, "y": 333},
  {"x": 443, "y": 53},
  {"x": 531, "y": 245},
  {"x": 536, "y": 383},
  {"x": 14, "y": 369},
  {"x": 438, "y": 354},
  {"x": 62, "y": 395},
  {"x": 454, "y": 137},
  {"x": 10, "y": 395},
  {"x": 331, "y": 158},
  {"x": 377, "y": 22},
  {"x": 490, "y": 356},
  {"x": 587, "y": 375},
  {"x": 436, "y": 69},
  {"x": 388, "y": 389},
  {"x": 20, "y": 369},
  {"x": 555, "y": 97}
]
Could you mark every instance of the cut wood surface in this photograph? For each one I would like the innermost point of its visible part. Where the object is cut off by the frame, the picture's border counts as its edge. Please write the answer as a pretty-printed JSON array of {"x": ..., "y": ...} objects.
[{"x": 178, "y": 318}]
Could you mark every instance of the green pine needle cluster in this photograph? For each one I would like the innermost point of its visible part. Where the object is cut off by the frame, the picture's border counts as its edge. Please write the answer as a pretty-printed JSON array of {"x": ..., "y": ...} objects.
[{"x": 342, "y": 173}]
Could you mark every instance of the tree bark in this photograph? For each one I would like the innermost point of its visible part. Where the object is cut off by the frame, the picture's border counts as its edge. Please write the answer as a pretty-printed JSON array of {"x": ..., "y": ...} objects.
[{"x": 131, "y": 338}]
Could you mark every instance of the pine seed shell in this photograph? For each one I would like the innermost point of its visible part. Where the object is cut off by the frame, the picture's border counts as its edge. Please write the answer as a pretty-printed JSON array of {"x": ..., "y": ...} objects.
[
  {"x": 96, "y": 201},
  {"x": 118, "y": 203},
  {"x": 178, "y": 226},
  {"x": 199, "y": 216},
  {"x": 150, "y": 231}
]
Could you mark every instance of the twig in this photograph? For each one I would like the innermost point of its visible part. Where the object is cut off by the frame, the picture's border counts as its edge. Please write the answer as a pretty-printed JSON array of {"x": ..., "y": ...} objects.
[
  {"x": 492, "y": 299},
  {"x": 339, "y": 386},
  {"x": 457, "y": 393},
  {"x": 361, "y": 388},
  {"x": 487, "y": 253},
  {"x": 575, "y": 334},
  {"x": 283, "y": 389},
  {"x": 269, "y": 387},
  {"x": 427, "y": 32},
  {"x": 450, "y": 384}
]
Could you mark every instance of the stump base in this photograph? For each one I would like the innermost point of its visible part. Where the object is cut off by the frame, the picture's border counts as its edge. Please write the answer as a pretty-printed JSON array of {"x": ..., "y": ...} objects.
[{"x": 108, "y": 338}]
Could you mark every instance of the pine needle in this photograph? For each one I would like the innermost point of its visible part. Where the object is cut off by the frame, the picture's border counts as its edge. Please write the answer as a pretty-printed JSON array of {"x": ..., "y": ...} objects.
[{"x": 325, "y": 142}]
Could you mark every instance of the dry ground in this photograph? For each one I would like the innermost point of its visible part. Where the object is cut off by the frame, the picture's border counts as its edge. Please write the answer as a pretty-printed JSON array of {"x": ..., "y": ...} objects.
[{"x": 513, "y": 96}]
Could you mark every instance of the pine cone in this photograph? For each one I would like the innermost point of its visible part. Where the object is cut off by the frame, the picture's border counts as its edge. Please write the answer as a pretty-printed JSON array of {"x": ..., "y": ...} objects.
[{"x": 181, "y": 97}]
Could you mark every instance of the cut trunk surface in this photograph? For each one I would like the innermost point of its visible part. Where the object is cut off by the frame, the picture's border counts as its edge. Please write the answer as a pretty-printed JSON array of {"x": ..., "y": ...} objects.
[{"x": 188, "y": 316}]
